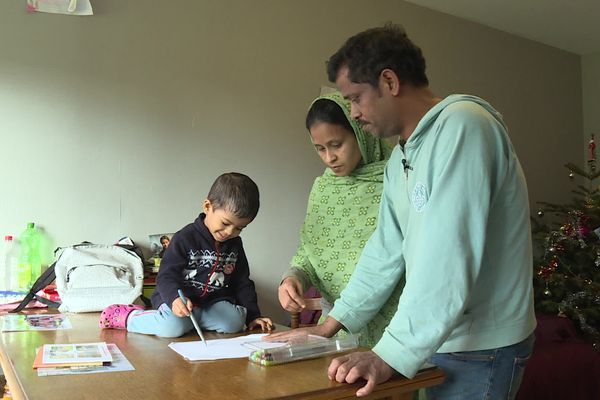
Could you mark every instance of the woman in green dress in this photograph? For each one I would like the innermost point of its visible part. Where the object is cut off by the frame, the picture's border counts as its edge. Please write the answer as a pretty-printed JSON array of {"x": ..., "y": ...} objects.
[{"x": 342, "y": 212}]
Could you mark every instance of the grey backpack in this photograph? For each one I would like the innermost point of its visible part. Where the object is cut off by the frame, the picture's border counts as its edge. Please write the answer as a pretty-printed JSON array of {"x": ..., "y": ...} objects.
[{"x": 90, "y": 277}]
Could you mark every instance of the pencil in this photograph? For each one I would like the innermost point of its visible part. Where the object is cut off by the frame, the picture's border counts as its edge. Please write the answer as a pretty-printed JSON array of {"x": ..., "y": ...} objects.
[{"x": 182, "y": 297}]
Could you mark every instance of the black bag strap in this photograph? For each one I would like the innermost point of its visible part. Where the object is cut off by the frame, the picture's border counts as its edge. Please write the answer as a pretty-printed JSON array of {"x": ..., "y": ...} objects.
[
  {"x": 47, "y": 277},
  {"x": 147, "y": 302},
  {"x": 48, "y": 302}
]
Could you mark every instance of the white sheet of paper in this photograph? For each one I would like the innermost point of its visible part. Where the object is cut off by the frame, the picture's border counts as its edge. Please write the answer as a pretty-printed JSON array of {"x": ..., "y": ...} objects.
[{"x": 218, "y": 349}]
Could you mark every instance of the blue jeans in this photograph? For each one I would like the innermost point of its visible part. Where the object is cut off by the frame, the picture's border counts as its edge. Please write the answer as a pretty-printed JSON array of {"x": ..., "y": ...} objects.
[
  {"x": 222, "y": 317},
  {"x": 486, "y": 374}
]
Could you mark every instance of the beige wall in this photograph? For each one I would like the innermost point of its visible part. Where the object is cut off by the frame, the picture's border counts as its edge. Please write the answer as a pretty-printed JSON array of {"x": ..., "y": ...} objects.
[
  {"x": 590, "y": 66},
  {"x": 117, "y": 124}
]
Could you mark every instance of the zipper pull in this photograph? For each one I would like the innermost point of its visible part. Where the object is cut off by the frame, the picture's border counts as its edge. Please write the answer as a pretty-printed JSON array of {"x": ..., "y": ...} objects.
[{"x": 406, "y": 167}]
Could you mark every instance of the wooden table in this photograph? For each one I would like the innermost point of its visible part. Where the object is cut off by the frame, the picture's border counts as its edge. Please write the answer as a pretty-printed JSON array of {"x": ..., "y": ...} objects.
[{"x": 161, "y": 373}]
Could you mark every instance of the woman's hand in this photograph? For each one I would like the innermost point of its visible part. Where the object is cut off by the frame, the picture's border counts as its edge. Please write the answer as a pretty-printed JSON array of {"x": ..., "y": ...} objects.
[
  {"x": 180, "y": 309},
  {"x": 328, "y": 328},
  {"x": 290, "y": 295},
  {"x": 265, "y": 323},
  {"x": 293, "y": 335}
]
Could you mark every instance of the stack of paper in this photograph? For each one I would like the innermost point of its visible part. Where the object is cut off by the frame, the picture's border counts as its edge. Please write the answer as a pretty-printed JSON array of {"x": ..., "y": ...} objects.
[
  {"x": 119, "y": 363},
  {"x": 72, "y": 355}
]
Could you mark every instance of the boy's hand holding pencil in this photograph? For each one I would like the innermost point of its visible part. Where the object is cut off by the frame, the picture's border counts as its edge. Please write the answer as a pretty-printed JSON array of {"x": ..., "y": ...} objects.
[
  {"x": 191, "y": 314},
  {"x": 180, "y": 308}
]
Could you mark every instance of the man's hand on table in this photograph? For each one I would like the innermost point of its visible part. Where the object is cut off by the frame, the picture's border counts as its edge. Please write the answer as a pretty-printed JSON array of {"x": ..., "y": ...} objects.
[{"x": 366, "y": 364}]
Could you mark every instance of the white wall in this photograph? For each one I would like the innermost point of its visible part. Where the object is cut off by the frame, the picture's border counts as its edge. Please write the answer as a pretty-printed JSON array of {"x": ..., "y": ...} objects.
[{"x": 117, "y": 124}]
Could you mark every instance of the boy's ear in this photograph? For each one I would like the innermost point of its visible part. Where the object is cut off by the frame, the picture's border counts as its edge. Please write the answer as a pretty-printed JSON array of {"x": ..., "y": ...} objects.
[{"x": 206, "y": 206}]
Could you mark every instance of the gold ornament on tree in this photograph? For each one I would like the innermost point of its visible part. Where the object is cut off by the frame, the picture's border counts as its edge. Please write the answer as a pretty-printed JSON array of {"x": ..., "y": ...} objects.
[{"x": 547, "y": 291}]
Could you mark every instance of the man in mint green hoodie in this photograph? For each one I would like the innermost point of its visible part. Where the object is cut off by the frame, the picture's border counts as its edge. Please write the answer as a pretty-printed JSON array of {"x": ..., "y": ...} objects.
[{"x": 454, "y": 218}]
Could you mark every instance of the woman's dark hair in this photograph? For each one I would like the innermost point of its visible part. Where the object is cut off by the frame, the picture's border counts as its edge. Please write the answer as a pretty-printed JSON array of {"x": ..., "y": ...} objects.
[
  {"x": 324, "y": 110},
  {"x": 368, "y": 53},
  {"x": 236, "y": 193}
]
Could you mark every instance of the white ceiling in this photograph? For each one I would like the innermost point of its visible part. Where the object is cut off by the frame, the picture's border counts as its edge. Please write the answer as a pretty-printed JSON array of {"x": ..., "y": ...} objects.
[{"x": 571, "y": 25}]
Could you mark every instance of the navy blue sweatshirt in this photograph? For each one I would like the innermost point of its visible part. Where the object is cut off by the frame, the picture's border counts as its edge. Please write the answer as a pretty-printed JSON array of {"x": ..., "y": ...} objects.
[{"x": 205, "y": 270}]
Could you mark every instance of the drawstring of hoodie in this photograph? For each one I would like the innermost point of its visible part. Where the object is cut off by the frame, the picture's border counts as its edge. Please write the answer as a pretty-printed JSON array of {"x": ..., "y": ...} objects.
[{"x": 212, "y": 271}]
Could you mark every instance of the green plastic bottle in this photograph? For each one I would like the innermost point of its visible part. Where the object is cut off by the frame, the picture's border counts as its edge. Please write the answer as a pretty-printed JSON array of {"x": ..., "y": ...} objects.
[{"x": 29, "y": 264}]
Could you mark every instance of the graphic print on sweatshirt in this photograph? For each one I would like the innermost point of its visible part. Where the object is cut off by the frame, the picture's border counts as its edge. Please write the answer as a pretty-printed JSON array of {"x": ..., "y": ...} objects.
[{"x": 199, "y": 271}]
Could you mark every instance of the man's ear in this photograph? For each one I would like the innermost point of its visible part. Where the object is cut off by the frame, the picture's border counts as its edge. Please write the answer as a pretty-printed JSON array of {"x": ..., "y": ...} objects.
[{"x": 389, "y": 81}]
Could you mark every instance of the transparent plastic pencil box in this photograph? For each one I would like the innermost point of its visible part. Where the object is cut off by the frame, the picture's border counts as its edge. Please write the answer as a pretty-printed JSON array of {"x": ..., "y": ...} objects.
[{"x": 308, "y": 347}]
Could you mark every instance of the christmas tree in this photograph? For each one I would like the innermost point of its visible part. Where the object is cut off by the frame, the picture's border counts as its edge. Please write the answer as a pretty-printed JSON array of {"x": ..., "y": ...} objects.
[{"x": 567, "y": 264}]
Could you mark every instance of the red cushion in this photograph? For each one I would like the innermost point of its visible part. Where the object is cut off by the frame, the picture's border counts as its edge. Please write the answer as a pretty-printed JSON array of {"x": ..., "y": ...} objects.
[{"x": 562, "y": 366}]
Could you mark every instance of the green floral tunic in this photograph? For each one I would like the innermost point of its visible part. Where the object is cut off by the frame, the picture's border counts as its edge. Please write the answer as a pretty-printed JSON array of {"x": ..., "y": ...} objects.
[{"x": 341, "y": 216}]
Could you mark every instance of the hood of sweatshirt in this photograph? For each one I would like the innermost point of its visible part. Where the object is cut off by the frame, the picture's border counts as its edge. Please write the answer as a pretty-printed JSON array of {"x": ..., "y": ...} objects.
[{"x": 429, "y": 118}]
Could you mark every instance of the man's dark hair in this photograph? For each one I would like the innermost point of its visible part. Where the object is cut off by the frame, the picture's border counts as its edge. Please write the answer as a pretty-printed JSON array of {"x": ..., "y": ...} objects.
[
  {"x": 236, "y": 193},
  {"x": 368, "y": 53},
  {"x": 324, "y": 110}
]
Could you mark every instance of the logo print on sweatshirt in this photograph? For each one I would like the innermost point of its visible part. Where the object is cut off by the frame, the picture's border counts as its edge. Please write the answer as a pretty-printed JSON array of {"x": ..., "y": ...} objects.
[
  {"x": 200, "y": 265},
  {"x": 419, "y": 197}
]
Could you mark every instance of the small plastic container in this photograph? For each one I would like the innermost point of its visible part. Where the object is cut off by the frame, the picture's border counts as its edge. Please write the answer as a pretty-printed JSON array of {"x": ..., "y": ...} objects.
[
  {"x": 8, "y": 263},
  {"x": 9, "y": 254},
  {"x": 313, "y": 348}
]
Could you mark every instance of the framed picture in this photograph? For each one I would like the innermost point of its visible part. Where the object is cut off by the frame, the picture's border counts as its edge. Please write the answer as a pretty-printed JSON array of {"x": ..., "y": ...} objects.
[{"x": 159, "y": 243}]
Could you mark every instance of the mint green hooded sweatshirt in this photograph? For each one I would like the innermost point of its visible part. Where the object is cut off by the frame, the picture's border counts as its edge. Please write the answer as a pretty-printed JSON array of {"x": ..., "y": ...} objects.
[{"x": 454, "y": 217}]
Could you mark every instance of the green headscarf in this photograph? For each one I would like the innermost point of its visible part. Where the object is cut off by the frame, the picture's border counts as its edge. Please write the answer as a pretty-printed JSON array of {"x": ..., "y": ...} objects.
[{"x": 341, "y": 216}]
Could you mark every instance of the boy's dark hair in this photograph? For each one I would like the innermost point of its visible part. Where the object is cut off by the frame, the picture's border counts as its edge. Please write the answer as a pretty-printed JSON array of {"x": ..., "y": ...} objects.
[
  {"x": 324, "y": 110},
  {"x": 368, "y": 53},
  {"x": 236, "y": 193}
]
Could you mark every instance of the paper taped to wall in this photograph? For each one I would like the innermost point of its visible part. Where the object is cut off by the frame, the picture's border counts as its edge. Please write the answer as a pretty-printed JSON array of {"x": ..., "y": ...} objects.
[{"x": 69, "y": 7}]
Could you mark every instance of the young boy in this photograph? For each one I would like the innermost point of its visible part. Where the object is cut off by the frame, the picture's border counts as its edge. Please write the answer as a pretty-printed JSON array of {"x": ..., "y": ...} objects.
[{"x": 206, "y": 260}]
